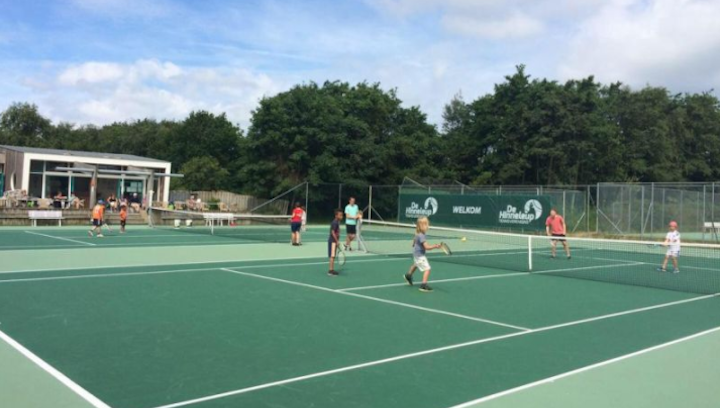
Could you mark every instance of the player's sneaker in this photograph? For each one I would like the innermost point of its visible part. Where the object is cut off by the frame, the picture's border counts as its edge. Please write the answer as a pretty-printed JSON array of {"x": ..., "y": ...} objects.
[
  {"x": 425, "y": 288},
  {"x": 659, "y": 269},
  {"x": 101, "y": 236},
  {"x": 676, "y": 271},
  {"x": 569, "y": 257},
  {"x": 333, "y": 273},
  {"x": 408, "y": 279}
]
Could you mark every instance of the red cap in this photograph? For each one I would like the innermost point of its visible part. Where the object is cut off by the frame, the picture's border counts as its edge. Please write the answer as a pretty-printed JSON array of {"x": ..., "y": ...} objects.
[{"x": 673, "y": 224}]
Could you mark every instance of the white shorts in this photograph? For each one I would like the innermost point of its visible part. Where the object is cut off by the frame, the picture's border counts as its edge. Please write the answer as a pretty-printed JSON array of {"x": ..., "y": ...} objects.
[
  {"x": 422, "y": 263},
  {"x": 673, "y": 252}
]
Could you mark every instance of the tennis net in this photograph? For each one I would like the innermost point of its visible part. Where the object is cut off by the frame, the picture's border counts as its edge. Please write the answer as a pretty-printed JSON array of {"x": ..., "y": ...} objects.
[
  {"x": 614, "y": 261},
  {"x": 253, "y": 227}
]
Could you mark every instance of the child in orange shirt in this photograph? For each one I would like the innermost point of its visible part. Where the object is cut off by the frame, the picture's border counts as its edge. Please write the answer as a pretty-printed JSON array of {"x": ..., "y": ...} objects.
[{"x": 123, "y": 217}]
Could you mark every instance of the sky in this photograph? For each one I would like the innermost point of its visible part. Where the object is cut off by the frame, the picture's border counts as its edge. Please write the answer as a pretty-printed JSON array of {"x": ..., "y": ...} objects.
[{"x": 102, "y": 61}]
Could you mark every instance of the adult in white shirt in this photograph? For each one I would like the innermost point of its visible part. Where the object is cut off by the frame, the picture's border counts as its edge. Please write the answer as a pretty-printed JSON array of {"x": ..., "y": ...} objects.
[{"x": 351, "y": 219}]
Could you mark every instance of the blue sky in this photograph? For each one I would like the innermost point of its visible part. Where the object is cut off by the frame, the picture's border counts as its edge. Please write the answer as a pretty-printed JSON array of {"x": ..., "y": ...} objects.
[{"x": 99, "y": 61}]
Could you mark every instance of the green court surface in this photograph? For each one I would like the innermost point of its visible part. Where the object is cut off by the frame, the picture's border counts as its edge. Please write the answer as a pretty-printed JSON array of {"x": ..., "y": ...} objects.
[{"x": 164, "y": 319}]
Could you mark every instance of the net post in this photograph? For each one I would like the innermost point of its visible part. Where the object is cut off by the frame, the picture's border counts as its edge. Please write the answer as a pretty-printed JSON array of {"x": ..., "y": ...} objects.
[
  {"x": 530, "y": 263},
  {"x": 361, "y": 242}
]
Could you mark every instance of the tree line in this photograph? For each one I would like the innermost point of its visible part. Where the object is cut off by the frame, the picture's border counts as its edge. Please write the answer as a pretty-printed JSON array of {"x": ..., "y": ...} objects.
[{"x": 527, "y": 131}]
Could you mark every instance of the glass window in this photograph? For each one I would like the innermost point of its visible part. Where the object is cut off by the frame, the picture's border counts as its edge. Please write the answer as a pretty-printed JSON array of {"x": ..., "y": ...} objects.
[
  {"x": 37, "y": 166},
  {"x": 81, "y": 187},
  {"x": 52, "y": 166},
  {"x": 36, "y": 181},
  {"x": 134, "y": 190},
  {"x": 107, "y": 187},
  {"x": 55, "y": 185}
]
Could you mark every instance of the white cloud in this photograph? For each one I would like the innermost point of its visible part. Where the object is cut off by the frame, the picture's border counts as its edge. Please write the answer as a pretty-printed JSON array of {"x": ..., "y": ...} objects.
[
  {"x": 661, "y": 42},
  {"x": 490, "y": 19},
  {"x": 91, "y": 73},
  {"x": 516, "y": 25},
  {"x": 101, "y": 93}
]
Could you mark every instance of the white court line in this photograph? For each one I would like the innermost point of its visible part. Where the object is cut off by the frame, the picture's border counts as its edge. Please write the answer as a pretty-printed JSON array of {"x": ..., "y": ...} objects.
[
  {"x": 504, "y": 275},
  {"x": 87, "y": 396},
  {"x": 60, "y": 238},
  {"x": 378, "y": 259},
  {"x": 418, "y": 354},
  {"x": 110, "y": 275},
  {"x": 583, "y": 369},
  {"x": 467, "y": 278},
  {"x": 106, "y": 275},
  {"x": 424, "y": 309},
  {"x": 584, "y": 268}
]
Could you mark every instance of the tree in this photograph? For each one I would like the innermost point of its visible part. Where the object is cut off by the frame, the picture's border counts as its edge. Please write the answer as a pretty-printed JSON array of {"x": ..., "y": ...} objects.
[
  {"x": 203, "y": 173},
  {"x": 205, "y": 134},
  {"x": 336, "y": 133},
  {"x": 22, "y": 125}
]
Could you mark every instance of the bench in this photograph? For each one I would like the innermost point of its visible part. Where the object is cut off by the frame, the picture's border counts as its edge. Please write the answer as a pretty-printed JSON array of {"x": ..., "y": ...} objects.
[
  {"x": 712, "y": 226},
  {"x": 210, "y": 219},
  {"x": 45, "y": 215},
  {"x": 218, "y": 218}
]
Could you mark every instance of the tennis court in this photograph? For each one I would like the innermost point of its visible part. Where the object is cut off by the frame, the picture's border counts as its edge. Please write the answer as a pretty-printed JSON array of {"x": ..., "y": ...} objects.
[{"x": 161, "y": 319}]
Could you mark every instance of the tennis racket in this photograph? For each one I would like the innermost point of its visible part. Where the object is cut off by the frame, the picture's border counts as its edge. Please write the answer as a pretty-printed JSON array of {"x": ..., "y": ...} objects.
[
  {"x": 445, "y": 248},
  {"x": 339, "y": 256}
]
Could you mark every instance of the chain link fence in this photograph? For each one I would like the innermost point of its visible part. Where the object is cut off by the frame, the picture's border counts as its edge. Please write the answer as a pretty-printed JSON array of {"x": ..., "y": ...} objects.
[
  {"x": 633, "y": 210},
  {"x": 645, "y": 209}
]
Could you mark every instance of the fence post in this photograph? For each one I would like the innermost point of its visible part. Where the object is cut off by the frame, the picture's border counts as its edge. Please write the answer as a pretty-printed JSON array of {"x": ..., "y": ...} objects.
[
  {"x": 587, "y": 208},
  {"x": 652, "y": 208},
  {"x": 370, "y": 207},
  {"x": 597, "y": 210},
  {"x": 642, "y": 211},
  {"x": 682, "y": 198},
  {"x": 697, "y": 212},
  {"x": 339, "y": 195},
  {"x": 712, "y": 212},
  {"x": 629, "y": 226},
  {"x": 307, "y": 200},
  {"x": 399, "y": 196},
  {"x": 704, "y": 210},
  {"x": 663, "y": 207}
]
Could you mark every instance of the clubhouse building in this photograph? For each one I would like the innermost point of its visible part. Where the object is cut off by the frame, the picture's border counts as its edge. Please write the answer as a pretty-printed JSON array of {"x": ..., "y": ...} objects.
[{"x": 90, "y": 176}]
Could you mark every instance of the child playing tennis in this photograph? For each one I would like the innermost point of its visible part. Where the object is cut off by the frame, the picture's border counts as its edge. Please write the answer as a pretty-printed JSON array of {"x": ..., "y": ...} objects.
[
  {"x": 296, "y": 224},
  {"x": 334, "y": 241},
  {"x": 98, "y": 215},
  {"x": 420, "y": 246},
  {"x": 123, "y": 217},
  {"x": 672, "y": 242}
]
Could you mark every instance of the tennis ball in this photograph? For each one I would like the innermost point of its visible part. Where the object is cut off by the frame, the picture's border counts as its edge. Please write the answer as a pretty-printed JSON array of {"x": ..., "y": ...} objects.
[{"x": 463, "y": 239}]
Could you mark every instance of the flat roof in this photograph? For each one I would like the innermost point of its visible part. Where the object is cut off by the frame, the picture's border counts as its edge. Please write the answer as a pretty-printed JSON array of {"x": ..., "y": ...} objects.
[{"x": 75, "y": 153}]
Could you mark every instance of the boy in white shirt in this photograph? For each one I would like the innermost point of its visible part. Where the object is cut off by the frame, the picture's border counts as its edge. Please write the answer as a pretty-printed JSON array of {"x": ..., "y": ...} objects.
[{"x": 672, "y": 242}]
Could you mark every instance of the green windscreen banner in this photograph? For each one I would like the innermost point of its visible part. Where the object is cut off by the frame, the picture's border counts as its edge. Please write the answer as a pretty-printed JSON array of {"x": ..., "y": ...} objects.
[{"x": 527, "y": 212}]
